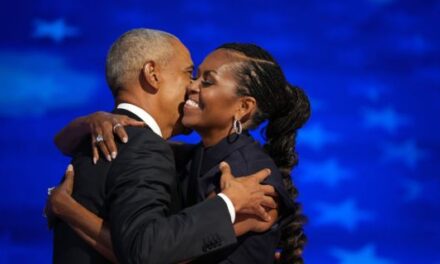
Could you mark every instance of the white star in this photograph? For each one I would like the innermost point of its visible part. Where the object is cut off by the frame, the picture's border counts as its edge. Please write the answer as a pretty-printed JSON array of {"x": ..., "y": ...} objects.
[
  {"x": 345, "y": 214},
  {"x": 407, "y": 152},
  {"x": 329, "y": 172},
  {"x": 366, "y": 255},
  {"x": 56, "y": 30},
  {"x": 387, "y": 119},
  {"x": 316, "y": 137}
]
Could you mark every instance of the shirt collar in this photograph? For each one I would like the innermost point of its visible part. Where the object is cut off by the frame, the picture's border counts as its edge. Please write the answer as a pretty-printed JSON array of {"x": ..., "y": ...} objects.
[{"x": 142, "y": 114}]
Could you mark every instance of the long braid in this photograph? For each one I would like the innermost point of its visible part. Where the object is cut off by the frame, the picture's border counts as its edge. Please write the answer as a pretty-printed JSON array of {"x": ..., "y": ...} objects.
[{"x": 286, "y": 108}]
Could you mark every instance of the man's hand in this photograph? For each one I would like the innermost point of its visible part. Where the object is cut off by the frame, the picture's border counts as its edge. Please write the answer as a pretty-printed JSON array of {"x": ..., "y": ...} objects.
[
  {"x": 249, "y": 223},
  {"x": 247, "y": 193}
]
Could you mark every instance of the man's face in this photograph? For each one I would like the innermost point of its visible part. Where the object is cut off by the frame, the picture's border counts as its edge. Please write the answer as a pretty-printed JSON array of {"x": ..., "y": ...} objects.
[{"x": 176, "y": 76}]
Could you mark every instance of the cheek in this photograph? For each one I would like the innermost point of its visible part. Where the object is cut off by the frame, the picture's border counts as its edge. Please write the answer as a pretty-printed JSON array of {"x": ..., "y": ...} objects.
[
  {"x": 218, "y": 108},
  {"x": 179, "y": 90}
]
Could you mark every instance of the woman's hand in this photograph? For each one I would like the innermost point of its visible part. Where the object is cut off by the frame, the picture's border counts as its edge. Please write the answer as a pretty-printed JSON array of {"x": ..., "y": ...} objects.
[
  {"x": 60, "y": 195},
  {"x": 102, "y": 127}
]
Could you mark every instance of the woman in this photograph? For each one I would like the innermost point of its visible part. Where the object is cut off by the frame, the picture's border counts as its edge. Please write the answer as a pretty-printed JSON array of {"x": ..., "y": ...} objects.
[{"x": 238, "y": 87}]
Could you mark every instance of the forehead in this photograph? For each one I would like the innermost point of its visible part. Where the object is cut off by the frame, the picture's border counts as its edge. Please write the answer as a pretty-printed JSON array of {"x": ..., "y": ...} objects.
[{"x": 219, "y": 60}]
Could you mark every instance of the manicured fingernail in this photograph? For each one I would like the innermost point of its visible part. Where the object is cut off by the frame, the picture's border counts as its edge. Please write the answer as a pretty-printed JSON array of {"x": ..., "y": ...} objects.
[
  {"x": 109, "y": 158},
  {"x": 125, "y": 139},
  {"x": 114, "y": 155},
  {"x": 95, "y": 160},
  {"x": 70, "y": 167}
]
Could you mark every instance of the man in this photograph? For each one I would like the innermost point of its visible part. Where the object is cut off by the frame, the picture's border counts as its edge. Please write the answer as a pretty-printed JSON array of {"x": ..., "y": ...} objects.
[{"x": 138, "y": 193}]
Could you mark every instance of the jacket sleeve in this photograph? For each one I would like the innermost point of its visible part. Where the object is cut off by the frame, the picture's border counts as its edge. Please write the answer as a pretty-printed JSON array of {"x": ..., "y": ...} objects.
[{"x": 138, "y": 199}]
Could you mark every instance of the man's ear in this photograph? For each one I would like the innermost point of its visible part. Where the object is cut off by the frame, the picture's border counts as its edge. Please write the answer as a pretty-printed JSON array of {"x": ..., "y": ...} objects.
[
  {"x": 247, "y": 107},
  {"x": 150, "y": 73}
]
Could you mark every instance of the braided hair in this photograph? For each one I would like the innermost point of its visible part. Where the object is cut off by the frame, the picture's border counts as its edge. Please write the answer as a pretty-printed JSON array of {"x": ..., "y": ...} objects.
[{"x": 286, "y": 108}]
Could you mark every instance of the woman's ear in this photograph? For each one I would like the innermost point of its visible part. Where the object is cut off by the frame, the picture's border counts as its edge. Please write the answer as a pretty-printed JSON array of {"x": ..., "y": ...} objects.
[
  {"x": 247, "y": 107},
  {"x": 150, "y": 73}
]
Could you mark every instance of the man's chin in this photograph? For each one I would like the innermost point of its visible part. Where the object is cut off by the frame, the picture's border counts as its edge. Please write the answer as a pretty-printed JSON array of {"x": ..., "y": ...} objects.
[
  {"x": 185, "y": 131},
  {"x": 180, "y": 129}
]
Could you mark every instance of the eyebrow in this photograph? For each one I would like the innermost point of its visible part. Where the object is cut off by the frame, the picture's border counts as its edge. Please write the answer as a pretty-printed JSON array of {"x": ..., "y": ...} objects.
[
  {"x": 190, "y": 68},
  {"x": 207, "y": 72}
]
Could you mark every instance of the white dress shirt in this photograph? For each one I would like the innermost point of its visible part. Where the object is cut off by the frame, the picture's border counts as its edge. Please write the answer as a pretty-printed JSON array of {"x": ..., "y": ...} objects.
[{"x": 143, "y": 115}]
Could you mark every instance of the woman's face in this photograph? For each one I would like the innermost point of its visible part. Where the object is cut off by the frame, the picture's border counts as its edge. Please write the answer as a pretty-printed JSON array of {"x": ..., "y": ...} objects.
[{"x": 212, "y": 100}]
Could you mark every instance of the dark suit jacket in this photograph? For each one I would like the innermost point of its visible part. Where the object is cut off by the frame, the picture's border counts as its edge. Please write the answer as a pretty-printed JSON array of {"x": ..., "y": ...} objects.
[
  {"x": 245, "y": 156},
  {"x": 138, "y": 194}
]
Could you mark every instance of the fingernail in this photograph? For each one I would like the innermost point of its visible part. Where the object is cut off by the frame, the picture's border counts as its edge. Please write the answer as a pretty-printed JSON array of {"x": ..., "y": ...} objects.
[
  {"x": 109, "y": 158},
  {"x": 125, "y": 139},
  {"x": 114, "y": 154},
  {"x": 95, "y": 160},
  {"x": 70, "y": 167}
]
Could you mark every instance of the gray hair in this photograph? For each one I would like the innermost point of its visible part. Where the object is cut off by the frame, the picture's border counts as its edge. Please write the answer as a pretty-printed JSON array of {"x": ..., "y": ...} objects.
[{"x": 130, "y": 51}]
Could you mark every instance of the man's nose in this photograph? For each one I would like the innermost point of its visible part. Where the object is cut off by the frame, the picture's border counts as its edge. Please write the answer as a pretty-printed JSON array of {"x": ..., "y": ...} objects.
[{"x": 193, "y": 87}]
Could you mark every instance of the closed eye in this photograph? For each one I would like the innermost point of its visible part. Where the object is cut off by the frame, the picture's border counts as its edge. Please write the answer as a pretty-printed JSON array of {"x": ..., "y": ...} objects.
[
  {"x": 206, "y": 83},
  {"x": 191, "y": 74}
]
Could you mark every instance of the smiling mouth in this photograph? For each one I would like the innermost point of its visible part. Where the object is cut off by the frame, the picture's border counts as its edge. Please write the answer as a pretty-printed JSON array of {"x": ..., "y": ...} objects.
[{"x": 191, "y": 104}]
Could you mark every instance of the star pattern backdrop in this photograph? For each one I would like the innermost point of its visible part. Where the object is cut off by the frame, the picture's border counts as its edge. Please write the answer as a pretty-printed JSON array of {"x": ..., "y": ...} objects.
[{"x": 369, "y": 157}]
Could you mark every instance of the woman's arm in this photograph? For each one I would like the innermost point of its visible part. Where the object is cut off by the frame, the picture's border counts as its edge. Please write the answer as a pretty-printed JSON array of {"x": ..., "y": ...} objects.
[
  {"x": 86, "y": 224},
  {"x": 99, "y": 123},
  {"x": 71, "y": 135}
]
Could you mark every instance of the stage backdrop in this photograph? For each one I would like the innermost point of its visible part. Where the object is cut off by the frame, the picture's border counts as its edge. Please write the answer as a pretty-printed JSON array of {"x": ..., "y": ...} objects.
[{"x": 368, "y": 174}]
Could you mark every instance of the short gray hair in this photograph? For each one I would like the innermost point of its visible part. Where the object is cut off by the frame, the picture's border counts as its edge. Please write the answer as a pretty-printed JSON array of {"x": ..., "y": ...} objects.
[{"x": 130, "y": 51}]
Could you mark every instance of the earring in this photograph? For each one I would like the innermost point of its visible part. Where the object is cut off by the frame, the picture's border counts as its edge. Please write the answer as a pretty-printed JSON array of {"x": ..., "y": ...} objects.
[{"x": 237, "y": 126}]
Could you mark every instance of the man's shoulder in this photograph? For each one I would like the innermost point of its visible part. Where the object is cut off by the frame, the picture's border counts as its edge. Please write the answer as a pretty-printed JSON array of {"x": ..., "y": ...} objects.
[
  {"x": 142, "y": 132},
  {"x": 144, "y": 140},
  {"x": 144, "y": 135}
]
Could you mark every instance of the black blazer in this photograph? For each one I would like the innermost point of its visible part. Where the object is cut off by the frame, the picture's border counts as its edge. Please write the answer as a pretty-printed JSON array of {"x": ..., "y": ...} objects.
[
  {"x": 139, "y": 195},
  {"x": 245, "y": 156}
]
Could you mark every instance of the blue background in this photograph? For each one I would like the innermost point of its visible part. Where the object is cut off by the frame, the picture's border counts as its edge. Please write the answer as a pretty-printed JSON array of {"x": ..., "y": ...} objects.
[{"x": 368, "y": 173}]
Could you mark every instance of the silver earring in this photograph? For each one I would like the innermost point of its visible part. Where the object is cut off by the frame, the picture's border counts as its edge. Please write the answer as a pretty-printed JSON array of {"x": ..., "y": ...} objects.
[{"x": 237, "y": 126}]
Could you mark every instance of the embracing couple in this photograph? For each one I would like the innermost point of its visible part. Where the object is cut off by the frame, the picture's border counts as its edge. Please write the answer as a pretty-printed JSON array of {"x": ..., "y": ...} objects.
[{"x": 131, "y": 196}]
